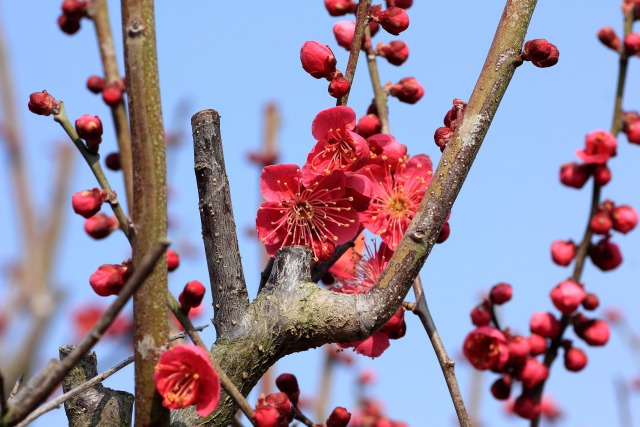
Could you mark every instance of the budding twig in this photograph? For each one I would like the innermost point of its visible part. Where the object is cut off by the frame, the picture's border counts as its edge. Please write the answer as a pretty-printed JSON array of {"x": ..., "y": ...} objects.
[
  {"x": 380, "y": 97},
  {"x": 362, "y": 22}
]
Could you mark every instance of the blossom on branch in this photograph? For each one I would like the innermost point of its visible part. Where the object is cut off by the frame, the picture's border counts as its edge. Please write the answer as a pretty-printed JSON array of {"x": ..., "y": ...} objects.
[{"x": 184, "y": 377}]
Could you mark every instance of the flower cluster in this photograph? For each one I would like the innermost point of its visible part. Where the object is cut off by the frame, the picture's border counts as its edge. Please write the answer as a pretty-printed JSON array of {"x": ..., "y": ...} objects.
[
  {"x": 112, "y": 92},
  {"x": 347, "y": 181}
]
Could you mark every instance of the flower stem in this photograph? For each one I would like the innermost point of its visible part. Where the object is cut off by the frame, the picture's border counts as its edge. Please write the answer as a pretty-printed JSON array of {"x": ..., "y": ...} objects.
[{"x": 362, "y": 22}]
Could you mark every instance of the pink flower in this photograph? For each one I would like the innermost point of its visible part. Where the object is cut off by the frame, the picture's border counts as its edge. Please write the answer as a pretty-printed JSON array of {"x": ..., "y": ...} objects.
[
  {"x": 600, "y": 145},
  {"x": 184, "y": 377},
  {"x": 317, "y": 215},
  {"x": 339, "y": 147},
  {"x": 395, "y": 199},
  {"x": 486, "y": 348}
]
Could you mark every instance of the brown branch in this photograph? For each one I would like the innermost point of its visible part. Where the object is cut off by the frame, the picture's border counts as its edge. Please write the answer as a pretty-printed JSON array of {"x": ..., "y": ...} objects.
[
  {"x": 379, "y": 95},
  {"x": 228, "y": 288},
  {"x": 93, "y": 160},
  {"x": 446, "y": 364},
  {"x": 100, "y": 15},
  {"x": 362, "y": 22},
  {"x": 149, "y": 211},
  {"x": 40, "y": 387}
]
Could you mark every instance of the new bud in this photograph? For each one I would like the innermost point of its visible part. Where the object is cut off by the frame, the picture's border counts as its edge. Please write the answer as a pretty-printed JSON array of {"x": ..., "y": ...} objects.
[
  {"x": 112, "y": 161},
  {"x": 605, "y": 255},
  {"x": 173, "y": 260},
  {"x": 609, "y": 38},
  {"x": 625, "y": 219},
  {"x": 339, "y": 86},
  {"x": 109, "y": 279},
  {"x": 112, "y": 94},
  {"x": 344, "y": 32},
  {"x": 500, "y": 293},
  {"x": 545, "y": 325},
  {"x": 574, "y": 175},
  {"x": 601, "y": 175},
  {"x": 43, "y": 104},
  {"x": 288, "y": 384},
  {"x": 574, "y": 359},
  {"x": 87, "y": 203},
  {"x": 394, "y": 20},
  {"x": 632, "y": 44},
  {"x": 95, "y": 84},
  {"x": 567, "y": 296},
  {"x": 407, "y": 90},
  {"x": 339, "y": 418},
  {"x": 318, "y": 60},
  {"x": 562, "y": 252},
  {"x": 100, "y": 226},
  {"x": 396, "y": 52},
  {"x": 192, "y": 294},
  {"x": 89, "y": 128},
  {"x": 369, "y": 125},
  {"x": 339, "y": 7}
]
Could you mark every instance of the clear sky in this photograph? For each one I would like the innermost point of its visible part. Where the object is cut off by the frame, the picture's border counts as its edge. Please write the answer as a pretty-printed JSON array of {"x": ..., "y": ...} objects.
[{"x": 235, "y": 59}]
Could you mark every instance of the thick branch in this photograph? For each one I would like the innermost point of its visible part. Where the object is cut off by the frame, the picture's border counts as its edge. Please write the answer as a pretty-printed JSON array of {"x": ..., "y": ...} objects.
[
  {"x": 228, "y": 288},
  {"x": 149, "y": 213}
]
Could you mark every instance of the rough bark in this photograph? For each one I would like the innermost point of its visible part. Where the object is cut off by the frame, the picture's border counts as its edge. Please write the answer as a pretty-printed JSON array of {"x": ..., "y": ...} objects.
[
  {"x": 228, "y": 288},
  {"x": 97, "y": 406}
]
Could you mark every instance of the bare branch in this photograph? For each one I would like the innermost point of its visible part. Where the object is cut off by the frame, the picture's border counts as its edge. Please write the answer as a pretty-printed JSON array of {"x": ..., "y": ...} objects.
[
  {"x": 228, "y": 288},
  {"x": 362, "y": 21}
]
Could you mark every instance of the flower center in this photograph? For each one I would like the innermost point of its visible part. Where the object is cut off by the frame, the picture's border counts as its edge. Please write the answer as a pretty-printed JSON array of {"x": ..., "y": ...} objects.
[
  {"x": 303, "y": 211},
  {"x": 184, "y": 385},
  {"x": 398, "y": 205}
]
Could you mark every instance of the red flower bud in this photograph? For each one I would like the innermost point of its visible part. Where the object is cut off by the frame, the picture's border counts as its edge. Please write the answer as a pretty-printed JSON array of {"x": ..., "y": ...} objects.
[
  {"x": 318, "y": 60},
  {"x": 442, "y": 137},
  {"x": 100, "y": 226},
  {"x": 112, "y": 94},
  {"x": 574, "y": 359},
  {"x": 562, "y": 252},
  {"x": 574, "y": 175},
  {"x": 609, "y": 38},
  {"x": 444, "y": 233},
  {"x": 500, "y": 293},
  {"x": 267, "y": 416},
  {"x": 501, "y": 388},
  {"x": 395, "y": 52},
  {"x": 527, "y": 405},
  {"x": 605, "y": 255},
  {"x": 590, "y": 301},
  {"x": 519, "y": 349},
  {"x": 89, "y": 128},
  {"x": 625, "y": 219},
  {"x": 339, "y": 86},
  {"x": 339, "y": 7},
  {"x": 74, "y": 8},
  {"x": 344, "y": 31},
  {"x": 95, "y": 84},
  {"x": 339, "y": 418},
  {"x": 541, "y": 53},
  {"x": 567, "y": 296},
  {"x": 537, "y": 344},
  {"x": 278, "y": 401},
  {"x": 601, "y": 223},
  {"x": 87, "y": 203},
  {"x": 481, "y": 314},
  {"x": 601, "y": 175},
  {"x": 454, "y": 115},
  {"x": 394, "y": 20},
  {"x": 632, "y": 44},
  {"x": 600, "y": 145},
  {"x": 43, "y": 104},
  {"x": 486, "y": 348},
  {"x": 108, "y": 279},
  {"x": 544, "y": 324},
  {"x": 112, "y": 161},
  {"x": 369, "y": 125},
  {"x": 192, "y": 294},
  {"x": 173, "y": 260},
  {"x": 287, "y": 383},
  {"x": 405, "y": 4},
  {"x": 407, "y": 90},
  {"x": 69, "y": 24},
  {"x": 532, "y": 373},
  {"x": 594, "y": 332}
]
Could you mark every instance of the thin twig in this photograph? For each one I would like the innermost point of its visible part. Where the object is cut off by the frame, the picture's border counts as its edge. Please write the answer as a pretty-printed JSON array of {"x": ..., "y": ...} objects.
[
  {"x": 582, "y": 251},
  {"x": 225, "y": 381},
  {"x": 93, "y": 160},
  {"x": 298, "y": 415},
  {"x": 55, "y": 403},
  {"x": 41, "y": 386},
  {"x": 100, "y": 16},
  {"x": 380, "y": 97},
  {"x": 16, "y": 386},
  {"x": 362, "y": 22},
  {"x": 446, "y": 364}
]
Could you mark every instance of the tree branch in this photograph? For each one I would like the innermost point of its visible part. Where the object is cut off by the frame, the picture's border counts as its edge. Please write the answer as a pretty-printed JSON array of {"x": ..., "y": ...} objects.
[
  {"x": 228, "y": 288},
  {"x": 362, "y": 21},
  {"x": 100, "y": 16},
  {"x": 40, "y": 386},
  {"x": 149, "y": 213}
]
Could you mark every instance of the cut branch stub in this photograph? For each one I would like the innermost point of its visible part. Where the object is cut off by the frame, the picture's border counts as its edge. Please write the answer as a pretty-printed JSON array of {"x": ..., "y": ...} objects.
[{"x": 228, "y": 288}]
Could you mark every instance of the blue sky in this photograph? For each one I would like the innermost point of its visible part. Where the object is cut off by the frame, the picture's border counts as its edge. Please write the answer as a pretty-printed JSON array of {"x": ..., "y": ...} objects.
[{"x": 215, "y": 55}]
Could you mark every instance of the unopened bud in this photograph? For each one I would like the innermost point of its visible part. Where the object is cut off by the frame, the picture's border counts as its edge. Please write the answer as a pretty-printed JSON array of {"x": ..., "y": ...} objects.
[
  {"x": 609, "y": 38},
  {"x": 43, "y": 104},
  {"x": 407, "y": 90},
  {"x": 318, "y": 60},
  {"x": 192, "y": 294},
  {"x": 88, "y": 202},
  {"x": 396, "y": 52},
  {"x": 339, "y": 86},
  {"x": 95, "y": 84}
]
